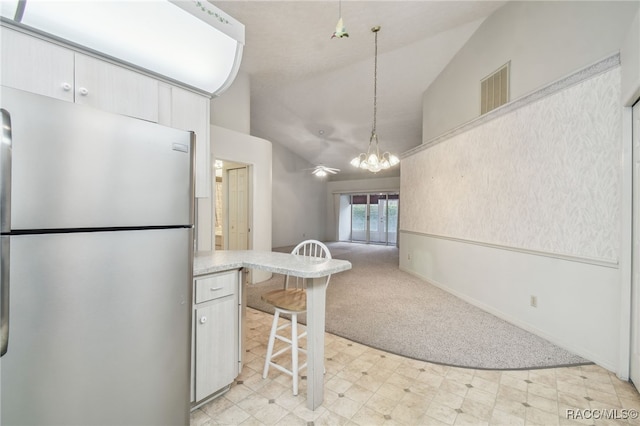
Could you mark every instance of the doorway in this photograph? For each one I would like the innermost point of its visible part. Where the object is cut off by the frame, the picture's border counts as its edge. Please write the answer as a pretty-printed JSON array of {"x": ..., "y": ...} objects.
[
  {"x": 373, "y": 218},
  {"x": 232, "y": 212}
]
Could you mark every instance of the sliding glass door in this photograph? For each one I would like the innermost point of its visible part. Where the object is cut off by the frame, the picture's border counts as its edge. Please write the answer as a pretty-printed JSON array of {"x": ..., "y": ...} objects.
[
  {"x": 374, "y": 218},
  {"x": 391, "y": 209},
  {"x": 359, "y": 218}
]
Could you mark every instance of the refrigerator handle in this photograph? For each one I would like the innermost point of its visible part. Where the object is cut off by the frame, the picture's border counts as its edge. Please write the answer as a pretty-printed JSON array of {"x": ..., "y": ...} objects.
[
  {"x": 5, "y": 242},
  {"x": 5, "y": 226},
  {"x": 5, "y": 172}
]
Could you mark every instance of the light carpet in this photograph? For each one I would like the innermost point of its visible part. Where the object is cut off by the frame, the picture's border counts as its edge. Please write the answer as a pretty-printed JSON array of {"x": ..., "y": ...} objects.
[{"x": 378, "y": 305}]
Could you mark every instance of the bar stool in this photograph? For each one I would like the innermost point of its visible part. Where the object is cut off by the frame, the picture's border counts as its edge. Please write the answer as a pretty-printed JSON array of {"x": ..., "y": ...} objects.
[{"x": 291, "y": 301}]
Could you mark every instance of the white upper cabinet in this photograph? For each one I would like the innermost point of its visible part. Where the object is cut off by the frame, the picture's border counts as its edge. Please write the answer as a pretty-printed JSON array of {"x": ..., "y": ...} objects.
[
  {"x": 190, "y": 111},
  {"x": 36, "y": 66},
  {"x": 116, "y": 89}
]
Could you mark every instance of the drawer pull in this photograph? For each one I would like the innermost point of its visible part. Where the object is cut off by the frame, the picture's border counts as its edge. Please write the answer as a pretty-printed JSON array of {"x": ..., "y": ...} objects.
[
  {"x": 203, "y": 320},
  {"x": 216, "y": 289}
]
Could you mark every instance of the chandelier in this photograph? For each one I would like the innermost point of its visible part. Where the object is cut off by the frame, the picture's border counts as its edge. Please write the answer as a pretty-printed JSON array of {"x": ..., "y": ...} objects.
[
  {"x": 341, "y": 31},
  {"x": 372, "y": 160}
]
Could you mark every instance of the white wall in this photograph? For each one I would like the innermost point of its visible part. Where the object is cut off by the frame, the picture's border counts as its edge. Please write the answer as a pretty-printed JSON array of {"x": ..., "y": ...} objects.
[
  {"x": 544, "y": 177},
  {"x": 544, "y": 41},
  {"x": 578, "y": 302},
  {"x": 239, "y": 147},
  {"x": 528, "y": 204},
  {"x": 230, "y": 140},
  {"x": 232, "y": 109},
  {"x": 298, "y": 199},
  {"x": 507, "y": 215}
]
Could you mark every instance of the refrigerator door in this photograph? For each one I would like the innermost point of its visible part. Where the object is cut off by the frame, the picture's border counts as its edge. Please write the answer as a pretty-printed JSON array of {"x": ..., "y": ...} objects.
[
  {"x": 77, "y": 167},
  {"x": 100, "y": 329}
]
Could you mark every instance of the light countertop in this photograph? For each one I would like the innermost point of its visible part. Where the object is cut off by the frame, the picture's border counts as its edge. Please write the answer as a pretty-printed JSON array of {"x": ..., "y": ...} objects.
[{"x": 281, "y": 263}]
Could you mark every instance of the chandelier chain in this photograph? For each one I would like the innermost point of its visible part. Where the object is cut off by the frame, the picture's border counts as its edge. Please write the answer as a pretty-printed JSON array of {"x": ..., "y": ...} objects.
[{"x": 375, "y": 81}]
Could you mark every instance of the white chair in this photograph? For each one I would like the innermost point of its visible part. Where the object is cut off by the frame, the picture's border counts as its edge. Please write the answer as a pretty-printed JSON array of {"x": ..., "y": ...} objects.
[{"x": 292, "y": 301}]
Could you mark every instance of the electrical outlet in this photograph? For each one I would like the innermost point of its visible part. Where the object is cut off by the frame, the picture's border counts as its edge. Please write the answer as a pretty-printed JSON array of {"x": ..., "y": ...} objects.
[{"x": 534, "y": 301}]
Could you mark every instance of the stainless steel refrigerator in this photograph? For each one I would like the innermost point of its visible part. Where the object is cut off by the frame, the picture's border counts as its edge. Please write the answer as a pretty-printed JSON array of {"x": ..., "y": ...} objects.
[{"x": 97, "y": 245}]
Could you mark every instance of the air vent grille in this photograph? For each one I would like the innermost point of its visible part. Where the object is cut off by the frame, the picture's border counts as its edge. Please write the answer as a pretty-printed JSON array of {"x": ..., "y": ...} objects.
[{"x": 494, "y": 89}]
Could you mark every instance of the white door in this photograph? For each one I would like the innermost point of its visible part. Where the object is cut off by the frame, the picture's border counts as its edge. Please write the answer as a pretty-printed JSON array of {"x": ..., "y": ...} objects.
[
  {"x": 635, "y": 284},
  {"x": 238, "y": 209},
  {"x": 215, "y": 357}
]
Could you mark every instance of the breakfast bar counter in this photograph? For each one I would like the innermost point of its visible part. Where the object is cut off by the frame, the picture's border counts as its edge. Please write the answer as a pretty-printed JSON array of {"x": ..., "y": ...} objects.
[
  {"x": 281, "y": 263},
  {"x": 315, "y": 270}
]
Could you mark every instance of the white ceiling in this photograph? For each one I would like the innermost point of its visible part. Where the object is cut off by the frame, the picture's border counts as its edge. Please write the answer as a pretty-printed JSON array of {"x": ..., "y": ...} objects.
[{"x": 314, "y": 94}]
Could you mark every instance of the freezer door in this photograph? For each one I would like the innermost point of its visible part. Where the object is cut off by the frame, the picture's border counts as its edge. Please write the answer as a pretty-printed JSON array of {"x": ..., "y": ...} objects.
[
  {"x": 77, "y": 167},
  {"x": 100, "y": 329},
  {"x": 4, "y": 293}
]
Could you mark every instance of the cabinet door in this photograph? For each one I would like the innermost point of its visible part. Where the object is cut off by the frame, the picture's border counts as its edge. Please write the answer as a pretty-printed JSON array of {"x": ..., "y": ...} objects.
[
  {"x": 112, "y": 88},
  {"x": 190, "y": 111},
  {"x": 37, "y": 66},
  {"x": 215, "y": 363},
  {"x": 238, "y": 209}
]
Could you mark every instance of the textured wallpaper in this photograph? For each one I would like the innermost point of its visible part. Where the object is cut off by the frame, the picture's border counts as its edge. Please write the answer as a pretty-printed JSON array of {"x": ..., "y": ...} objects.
[{"x": 543, "y": 177}]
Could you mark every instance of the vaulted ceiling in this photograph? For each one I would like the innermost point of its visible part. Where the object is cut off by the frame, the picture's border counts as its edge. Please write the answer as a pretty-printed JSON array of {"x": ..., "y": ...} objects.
[{"x": 313, "y": 94}]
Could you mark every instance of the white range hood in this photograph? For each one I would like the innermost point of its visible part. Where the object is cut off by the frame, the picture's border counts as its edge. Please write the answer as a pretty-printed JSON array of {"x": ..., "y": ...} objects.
[{"x": 191, "y": 42}]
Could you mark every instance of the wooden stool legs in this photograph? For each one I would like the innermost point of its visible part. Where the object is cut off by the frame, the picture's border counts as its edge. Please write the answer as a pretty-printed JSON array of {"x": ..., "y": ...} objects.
[{"x": 293, "y": 345}]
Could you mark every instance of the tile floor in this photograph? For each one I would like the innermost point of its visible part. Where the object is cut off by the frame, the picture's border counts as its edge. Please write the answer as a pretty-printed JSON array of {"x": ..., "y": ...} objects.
[{"x": 365, "y": 386}]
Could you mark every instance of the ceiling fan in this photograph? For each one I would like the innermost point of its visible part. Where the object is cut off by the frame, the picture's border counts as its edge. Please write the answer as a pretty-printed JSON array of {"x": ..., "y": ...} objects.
[{"x": 322, "y": 171}]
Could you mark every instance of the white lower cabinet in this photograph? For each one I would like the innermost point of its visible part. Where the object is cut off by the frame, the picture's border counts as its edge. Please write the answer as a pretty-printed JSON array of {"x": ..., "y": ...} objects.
[{"x": 216, "y": 333}]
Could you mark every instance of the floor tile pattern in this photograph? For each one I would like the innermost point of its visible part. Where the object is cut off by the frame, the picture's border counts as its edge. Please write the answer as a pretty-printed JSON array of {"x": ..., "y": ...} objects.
[{"x": 366, "y": 386}]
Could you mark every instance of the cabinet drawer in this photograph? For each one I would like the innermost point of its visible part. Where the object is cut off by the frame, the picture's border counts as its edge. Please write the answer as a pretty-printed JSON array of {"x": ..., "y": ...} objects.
[{"x": 215, "y": 286}]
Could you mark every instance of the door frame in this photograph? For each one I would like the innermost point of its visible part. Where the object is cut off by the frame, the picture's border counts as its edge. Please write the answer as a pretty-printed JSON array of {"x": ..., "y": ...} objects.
[{"x": 634, "y": 327}]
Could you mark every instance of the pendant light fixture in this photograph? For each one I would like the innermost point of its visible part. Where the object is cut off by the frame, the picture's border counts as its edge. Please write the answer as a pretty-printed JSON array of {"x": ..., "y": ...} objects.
[
  {"x": 340, "y": 31},
  {"x": 372, "y": 160}
]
